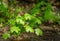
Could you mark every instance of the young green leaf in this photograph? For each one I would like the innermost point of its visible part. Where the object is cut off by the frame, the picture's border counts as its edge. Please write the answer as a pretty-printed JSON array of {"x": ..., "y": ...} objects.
[
  {"x": 6, "y": 35},
  {"x": 20, "y": 21},
  {"x": 38, "y": 32},
  {"x": 27, "y": 16},
  {"x": 38, "y": 21},
  {"x": 15, "y": 29},
  {"x": 29, "y": 29},
  {"x": 11, "y": 21}
]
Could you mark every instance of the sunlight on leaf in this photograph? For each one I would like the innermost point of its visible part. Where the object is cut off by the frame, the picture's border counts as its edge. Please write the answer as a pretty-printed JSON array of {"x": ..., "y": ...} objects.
[
  {"x": 20, "y": 21},
  {"x": 29, "y": 29},
  {"x": 1, "y": 24},
  {"x": 38, "y": 32},
  {"x": 27, "y": 16},
  {"x": 38, "y": 21},
  {"x": 15, "y": 29}
]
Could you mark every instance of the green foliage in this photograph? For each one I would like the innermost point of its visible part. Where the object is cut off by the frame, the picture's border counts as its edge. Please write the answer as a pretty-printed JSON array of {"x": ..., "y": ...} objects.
[
  {"x": 11, "y": 22},
  {"x": 38, "y": 31},
  {"x": 29, "y": 29},
  {"x": 15, "y": 29},
  {"x": 6, "y": 35},
  {"x": 27, "y": 16},
  {"x": 44, "y": 11},
  {"x": 48, "y": 15},
  {"x": 36, "y": 8},
  {"x": 28, "y": 22},
  {"x": 1, "y": 19},
  {"x": 19, "y": 20}
]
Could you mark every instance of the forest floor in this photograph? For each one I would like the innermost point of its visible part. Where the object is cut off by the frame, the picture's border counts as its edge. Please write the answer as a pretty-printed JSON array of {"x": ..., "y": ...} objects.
[{"x": 51, "y": 33}]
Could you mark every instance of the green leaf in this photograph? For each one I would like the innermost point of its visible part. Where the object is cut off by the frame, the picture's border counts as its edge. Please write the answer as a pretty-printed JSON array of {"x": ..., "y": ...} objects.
[
  {"x": 27, "y": 16},
  {"x": 29, "y": 29},
  {"x": 48, "y": 15},
  {"x": 15, "y": 29},
  {"x": 36, "y": 8},
  {"x": 38, "y": 31},
  {"x": 19, "y": 20},
  {"x": 1, "y": 7},
  {"x": 5, "y": 5},
  {"x": 6, "y": 35},
  {"x": 38, "y": 21},
  {"x": 2, "y": 20},
  {"x": 11, "y": 21}
]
